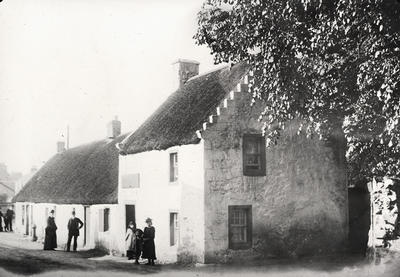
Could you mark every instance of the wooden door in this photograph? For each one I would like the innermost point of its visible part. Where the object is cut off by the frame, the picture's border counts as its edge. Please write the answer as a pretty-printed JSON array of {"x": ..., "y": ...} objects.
[{"x": 129, "y": 215}]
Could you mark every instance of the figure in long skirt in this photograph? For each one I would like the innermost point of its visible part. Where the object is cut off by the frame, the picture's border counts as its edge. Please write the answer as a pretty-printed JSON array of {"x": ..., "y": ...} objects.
[
  {"x": 149, "y": 249},
  {"x": 50, "y": 239},
  {"x": 130, "y": 242}
]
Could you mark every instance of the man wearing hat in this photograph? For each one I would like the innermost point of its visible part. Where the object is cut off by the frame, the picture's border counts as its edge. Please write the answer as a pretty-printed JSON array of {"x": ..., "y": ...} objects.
[{"x": 74, "y": 224}]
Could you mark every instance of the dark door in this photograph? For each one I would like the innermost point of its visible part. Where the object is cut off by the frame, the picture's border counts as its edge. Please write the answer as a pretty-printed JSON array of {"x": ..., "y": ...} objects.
[
  {"x": 129, "y": 214},
  {"x": 359, "y": 219},
  {"x": 27, "y": 222}
]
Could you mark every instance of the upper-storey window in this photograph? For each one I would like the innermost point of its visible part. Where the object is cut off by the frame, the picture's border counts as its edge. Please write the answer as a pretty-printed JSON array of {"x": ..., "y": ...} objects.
[
  {"x": 173, "y": 167},
  {"x": 253, "y": 155}
]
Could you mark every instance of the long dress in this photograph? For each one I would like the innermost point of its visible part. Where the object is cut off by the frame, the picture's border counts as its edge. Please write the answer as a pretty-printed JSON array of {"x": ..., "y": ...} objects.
[
  {"x": 130, "y": 243},
  {"x": 50, "y": 239},
  {"x": 149, "y": 249}
]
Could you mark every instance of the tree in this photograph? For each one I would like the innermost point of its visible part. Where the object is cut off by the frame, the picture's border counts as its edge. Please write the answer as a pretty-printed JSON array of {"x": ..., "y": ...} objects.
[{"x": 335, "y": 63}]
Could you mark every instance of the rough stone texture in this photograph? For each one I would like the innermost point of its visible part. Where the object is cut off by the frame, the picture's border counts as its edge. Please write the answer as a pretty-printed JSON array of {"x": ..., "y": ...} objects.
[{"x": 299, "y": 208}]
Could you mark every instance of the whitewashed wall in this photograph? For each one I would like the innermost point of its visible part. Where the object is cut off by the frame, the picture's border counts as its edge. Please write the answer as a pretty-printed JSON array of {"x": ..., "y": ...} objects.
[
  {"x": 157, "y": 197},
  {"x": 38, "y": 215}
]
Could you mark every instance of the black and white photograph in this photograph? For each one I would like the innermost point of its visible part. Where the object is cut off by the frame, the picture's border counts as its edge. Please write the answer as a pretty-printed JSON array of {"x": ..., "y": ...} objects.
[{"x": 199, "y": 138}]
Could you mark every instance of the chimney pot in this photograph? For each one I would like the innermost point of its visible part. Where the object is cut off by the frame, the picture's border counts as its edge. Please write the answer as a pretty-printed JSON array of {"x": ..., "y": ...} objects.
[
  {"x": 60, "y": 146},
  {"x": 114, "y": 128},
  {"x": 184, "y": 70}
]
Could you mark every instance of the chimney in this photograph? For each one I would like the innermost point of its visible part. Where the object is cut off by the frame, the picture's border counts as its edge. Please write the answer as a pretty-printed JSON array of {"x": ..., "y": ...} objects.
[
  {"x": 60, "y": 146},
  {"x": 184, "y": 70},
  {"x": 114, "y": 128}
]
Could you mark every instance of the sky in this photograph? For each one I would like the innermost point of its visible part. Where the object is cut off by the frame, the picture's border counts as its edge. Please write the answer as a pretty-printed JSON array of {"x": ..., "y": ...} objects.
[{"x": 83, "y": 62}]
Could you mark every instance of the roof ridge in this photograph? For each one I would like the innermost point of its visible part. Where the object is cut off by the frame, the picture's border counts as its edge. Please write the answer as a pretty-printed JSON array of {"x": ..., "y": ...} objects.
[{"x": 207, "y": 72}]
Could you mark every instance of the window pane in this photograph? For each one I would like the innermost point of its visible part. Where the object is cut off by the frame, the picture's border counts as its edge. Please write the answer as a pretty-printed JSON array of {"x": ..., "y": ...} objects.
[
  {"x": 173, "y": 167},
  {"x": 240, "y": 227}
]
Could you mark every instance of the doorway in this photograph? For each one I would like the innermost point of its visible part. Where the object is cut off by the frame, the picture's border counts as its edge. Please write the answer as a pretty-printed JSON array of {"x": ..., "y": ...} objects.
[
  {"x": 359, "y": 219},
  {"x": 27, "y": 220},
  {"x": 129, "y": 215},
  {"x": 86, "y": 225}
]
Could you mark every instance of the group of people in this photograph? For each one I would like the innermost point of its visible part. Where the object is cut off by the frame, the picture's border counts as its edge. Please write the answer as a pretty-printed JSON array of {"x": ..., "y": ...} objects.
[
  {"x": 141, "y": 243},
  {"x": 50, "y": 239},
  {"x": 6, "y": 221}
]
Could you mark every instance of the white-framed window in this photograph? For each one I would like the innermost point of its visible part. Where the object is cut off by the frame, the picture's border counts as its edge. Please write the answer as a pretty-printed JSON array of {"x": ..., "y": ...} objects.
[
  {"x": 173, "y": 167},
  {"x": 173, "y": 228}
]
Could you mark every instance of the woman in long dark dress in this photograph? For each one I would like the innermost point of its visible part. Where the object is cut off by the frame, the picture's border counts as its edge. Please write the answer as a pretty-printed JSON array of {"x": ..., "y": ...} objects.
[
  {"x": 50, "y": 239},
  {"x": 149, "y": 249}
]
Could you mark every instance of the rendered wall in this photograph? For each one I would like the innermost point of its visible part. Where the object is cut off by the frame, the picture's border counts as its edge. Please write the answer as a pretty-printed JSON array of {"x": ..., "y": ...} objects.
[
  {"x": 157, "y": 197},
  {"x": 298, "y": 208}
]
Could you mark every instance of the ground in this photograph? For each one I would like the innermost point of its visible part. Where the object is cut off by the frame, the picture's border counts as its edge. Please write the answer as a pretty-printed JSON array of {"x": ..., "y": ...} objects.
[{"x": 21, "y": 257}]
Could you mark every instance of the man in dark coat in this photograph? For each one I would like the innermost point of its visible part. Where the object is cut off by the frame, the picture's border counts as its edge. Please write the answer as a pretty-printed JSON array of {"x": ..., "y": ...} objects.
[
  {"x": 9, "y": 216},
  {"x": 74, "y": 224},
  {"x": 1, "y": 221}
]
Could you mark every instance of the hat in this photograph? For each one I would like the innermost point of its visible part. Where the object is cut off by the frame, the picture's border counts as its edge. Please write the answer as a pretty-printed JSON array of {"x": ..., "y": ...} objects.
[{"x": 148, "y": 220}]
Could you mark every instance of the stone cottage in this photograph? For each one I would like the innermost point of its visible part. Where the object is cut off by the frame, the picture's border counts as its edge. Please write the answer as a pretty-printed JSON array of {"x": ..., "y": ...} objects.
[
  {"x": 82, "y": 178},
  {"x": 198, "y": 166}
]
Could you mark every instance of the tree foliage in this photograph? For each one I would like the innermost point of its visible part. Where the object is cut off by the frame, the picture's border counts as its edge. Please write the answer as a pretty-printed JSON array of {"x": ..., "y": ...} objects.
[{"x": 335, "y": 63}]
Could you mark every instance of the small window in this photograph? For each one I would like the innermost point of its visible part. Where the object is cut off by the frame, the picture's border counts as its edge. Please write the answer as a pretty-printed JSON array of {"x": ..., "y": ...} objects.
[
  {"x": 173, "y": 167},
  {"x": 240, "y": 227},
  {"x": 253, "y": 155},
  {"x": 174, "y": 228}
]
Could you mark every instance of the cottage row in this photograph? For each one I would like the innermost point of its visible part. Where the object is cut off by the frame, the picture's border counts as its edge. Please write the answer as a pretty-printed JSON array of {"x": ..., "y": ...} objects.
[{"x": 198, "y": 166}]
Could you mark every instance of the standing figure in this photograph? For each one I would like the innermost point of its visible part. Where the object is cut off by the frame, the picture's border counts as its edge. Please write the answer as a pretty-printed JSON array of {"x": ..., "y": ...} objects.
[
  {"x": 131, "y": 242},
  {"x": 149, "y": 249},
  {"x": 50, "y": 239},
  {"x": 74, "y": 224},
  {"x": 1, "y": 221},
  {"x": 9, "y": 219}
]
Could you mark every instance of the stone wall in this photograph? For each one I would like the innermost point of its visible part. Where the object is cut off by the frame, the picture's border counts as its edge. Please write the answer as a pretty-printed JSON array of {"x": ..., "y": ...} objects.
[{"x": 299, "y": 208}]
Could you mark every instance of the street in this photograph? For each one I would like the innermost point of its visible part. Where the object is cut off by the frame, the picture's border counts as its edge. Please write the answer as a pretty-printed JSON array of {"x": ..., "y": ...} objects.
[{"x": 21, "y": 257}]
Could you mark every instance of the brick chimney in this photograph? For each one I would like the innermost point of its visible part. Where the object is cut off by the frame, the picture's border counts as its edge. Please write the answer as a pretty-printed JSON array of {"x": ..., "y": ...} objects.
[
  {"x": 184, "y": 70},
  {"x": 60, "y": 146},
  {"x": 114, "y": 128}
]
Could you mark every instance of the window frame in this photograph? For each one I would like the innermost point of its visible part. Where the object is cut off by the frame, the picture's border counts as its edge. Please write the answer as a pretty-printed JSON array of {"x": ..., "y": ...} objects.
[
  {"x": 173, "y": 167},
  {"x": 261, "y": 141},
  {"x": 249, "y": 226},
  {"x": 173, "y": 228}
]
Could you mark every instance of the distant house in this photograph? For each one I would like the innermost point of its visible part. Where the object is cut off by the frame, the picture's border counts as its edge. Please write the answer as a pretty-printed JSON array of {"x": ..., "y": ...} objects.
[
  {"x": 7, "y": 184},
  {"x": 84, "y": 179},
  {"x": 199, "y": 167}
]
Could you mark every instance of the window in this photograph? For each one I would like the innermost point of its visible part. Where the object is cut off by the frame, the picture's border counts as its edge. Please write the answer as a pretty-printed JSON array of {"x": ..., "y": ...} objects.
[
  {"x": 173, "y": 167},
  {"x": 253, "y": 155},
  {"x": 173, "y": 228},
  {"x": 240, "y": 227},
  {"x": 104, "y": 219}
]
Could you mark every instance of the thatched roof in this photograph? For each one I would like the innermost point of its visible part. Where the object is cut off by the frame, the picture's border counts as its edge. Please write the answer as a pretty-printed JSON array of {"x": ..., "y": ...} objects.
[
  {"x": 87, "y": 174},
  {"x": 176, "y": 121}
]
